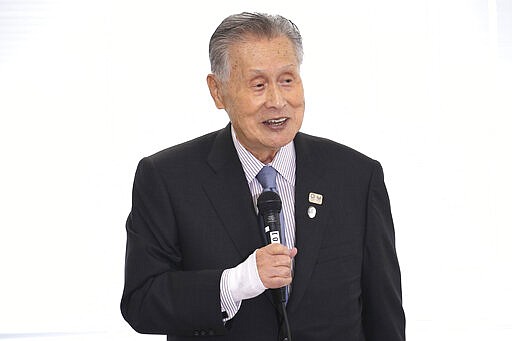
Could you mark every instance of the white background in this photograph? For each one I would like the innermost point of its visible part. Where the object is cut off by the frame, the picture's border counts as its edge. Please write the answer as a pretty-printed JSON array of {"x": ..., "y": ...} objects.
[{"x": 87, "y": 88}]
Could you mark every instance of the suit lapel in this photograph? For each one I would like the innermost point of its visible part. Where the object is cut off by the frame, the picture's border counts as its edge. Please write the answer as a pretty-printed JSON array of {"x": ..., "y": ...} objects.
[
  {"x": 230, "y": 196},
  {"x": 309, "y": 231}
]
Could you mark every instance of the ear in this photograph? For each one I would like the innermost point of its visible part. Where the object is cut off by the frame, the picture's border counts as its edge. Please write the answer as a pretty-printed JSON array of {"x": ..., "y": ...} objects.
[{"x": 215, "y": 85}]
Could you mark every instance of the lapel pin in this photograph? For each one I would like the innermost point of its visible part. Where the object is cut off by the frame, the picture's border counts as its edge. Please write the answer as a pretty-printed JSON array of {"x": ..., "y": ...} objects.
[
  {"x": 311, "y": 212},
  {"x": 316, "y": 198}
]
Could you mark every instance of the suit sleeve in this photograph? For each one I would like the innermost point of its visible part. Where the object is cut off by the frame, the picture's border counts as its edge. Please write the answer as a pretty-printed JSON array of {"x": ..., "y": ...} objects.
[
  {"x": 159, "y": 296},
  {"x": 383, "y": 316}
]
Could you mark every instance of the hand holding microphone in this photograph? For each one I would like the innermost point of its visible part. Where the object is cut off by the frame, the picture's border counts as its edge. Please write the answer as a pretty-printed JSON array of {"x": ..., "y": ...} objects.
[
  {"x": 274, "y": 265},
  {"x": 274, "y": 261}
]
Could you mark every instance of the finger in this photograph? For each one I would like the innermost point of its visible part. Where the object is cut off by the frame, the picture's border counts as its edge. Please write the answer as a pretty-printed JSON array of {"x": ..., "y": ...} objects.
[
  {"x": 271, "y": 273},
  {"x": 281, "y": 261},
  {"x": 282, "y": 273},
  {"x": 277, "y": 249},
  {"x": 277, "y": 281},
  {"x": 275, "y": 268}
]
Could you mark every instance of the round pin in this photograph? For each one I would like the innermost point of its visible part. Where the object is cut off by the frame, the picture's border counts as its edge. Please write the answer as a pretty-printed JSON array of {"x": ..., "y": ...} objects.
[{"x": 311, "y": 212}]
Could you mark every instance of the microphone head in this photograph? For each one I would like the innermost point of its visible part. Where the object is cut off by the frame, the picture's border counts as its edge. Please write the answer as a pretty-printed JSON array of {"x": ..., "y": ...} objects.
[{"x": 269, "y": 202}]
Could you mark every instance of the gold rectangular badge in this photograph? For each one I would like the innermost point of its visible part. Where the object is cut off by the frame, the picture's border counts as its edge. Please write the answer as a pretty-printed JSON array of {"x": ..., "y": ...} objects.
[{"x": 315, "y": 198}]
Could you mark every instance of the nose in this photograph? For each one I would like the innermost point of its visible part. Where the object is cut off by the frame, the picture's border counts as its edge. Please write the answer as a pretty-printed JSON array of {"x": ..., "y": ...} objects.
[{"x": 275, "y": 98}]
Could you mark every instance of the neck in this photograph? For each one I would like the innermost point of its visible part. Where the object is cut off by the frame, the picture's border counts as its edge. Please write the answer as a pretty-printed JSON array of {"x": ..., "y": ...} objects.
[{"x": 265, "y": 157}]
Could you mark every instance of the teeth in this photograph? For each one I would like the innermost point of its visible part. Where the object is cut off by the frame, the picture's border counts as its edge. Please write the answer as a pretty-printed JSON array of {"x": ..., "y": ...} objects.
[{"x": 280, "y": 120}]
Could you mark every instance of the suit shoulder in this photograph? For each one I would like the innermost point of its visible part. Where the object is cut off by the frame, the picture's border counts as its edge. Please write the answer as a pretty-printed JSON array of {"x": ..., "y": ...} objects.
[
  {"x": 186, "y": 152},
  {"x": 333, "y": 152}
]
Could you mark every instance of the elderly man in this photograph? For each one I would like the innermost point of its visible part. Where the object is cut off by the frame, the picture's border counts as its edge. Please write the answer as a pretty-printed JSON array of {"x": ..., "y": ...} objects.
[{"x": 197, "y": 262}]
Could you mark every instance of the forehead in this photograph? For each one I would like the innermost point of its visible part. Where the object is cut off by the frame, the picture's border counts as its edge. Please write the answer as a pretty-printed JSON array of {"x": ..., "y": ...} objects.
[{"x": 262, "y": 53}]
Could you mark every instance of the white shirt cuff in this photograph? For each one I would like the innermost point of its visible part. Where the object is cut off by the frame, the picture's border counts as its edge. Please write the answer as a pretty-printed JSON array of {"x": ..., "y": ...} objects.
[{"x": 239, "y": 283}]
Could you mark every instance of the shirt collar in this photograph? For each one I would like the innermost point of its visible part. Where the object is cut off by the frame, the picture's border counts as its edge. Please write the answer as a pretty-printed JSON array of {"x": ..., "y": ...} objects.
[{"x": 284, "y": 161}]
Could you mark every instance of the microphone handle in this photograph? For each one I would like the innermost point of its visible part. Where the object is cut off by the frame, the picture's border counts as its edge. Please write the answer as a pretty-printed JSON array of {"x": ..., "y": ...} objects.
[{"x": 273, "y": 233}]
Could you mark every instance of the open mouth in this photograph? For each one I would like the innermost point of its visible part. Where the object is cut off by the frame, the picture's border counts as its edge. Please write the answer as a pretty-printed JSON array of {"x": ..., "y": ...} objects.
[{"x": 276, "y": 122}]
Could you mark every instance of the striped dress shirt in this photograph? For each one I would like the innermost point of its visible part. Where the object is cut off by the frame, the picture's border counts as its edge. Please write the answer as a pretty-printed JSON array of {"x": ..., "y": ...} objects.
[{"x": 284, "y": 163}]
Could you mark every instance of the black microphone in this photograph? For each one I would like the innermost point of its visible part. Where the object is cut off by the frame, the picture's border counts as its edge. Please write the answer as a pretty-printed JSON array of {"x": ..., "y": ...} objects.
[{"x": 269, "y": 207}]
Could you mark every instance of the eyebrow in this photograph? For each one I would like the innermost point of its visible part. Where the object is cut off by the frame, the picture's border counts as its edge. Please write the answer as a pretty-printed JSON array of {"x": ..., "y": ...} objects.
[{"x": 260, "y": 71}]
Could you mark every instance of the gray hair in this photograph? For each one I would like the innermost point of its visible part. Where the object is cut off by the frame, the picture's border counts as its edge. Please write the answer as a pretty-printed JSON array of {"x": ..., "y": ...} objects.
[{"x": 236, "y": 28}]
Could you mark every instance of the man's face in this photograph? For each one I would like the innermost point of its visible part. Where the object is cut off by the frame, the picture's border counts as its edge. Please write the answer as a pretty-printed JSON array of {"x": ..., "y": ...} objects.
[{"x": 263, "y": 95}]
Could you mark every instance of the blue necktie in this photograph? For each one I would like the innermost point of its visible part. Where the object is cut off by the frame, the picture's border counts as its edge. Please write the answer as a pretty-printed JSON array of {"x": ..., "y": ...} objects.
[{"x": 267, "y": 178}]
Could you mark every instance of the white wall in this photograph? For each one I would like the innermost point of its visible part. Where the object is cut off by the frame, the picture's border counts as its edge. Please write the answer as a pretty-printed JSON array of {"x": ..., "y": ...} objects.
[{"x": 87, "y": 88}]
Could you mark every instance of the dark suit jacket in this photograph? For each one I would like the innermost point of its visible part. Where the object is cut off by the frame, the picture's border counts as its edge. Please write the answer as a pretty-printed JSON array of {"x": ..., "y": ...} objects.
[{"x": 192, "y": 217}]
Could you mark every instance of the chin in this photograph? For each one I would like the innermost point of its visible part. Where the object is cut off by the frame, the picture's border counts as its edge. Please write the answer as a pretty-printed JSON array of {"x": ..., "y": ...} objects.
[{"x": 282, "y": 142}]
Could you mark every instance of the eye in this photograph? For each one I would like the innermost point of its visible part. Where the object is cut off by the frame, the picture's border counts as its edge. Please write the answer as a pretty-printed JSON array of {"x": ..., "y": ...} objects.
[
  {"x": 259, "y": 85},
  {"x": 287, "y": 81}
]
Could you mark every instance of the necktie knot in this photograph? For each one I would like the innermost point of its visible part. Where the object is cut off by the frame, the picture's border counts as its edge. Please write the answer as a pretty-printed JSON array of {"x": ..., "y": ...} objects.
[{"x": 267, "y": 178}]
